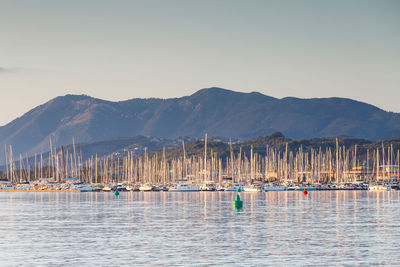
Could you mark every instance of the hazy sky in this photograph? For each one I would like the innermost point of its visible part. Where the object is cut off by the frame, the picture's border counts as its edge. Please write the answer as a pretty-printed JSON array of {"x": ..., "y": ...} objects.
[{"x": 118, "y": 50}]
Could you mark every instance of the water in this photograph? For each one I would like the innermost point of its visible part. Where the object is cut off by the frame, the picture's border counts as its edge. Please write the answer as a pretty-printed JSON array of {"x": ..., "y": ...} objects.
[{"x": 192, "y": 229}]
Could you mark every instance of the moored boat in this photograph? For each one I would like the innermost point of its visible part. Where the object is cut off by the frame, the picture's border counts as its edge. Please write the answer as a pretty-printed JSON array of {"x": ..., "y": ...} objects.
[
  {"x": 183, "y": 187},
  {"x": 120, "y": 188},
  {"x": 146, "y": 188},
  {"x": 308, "y": 188},
  {"x": 7, "y": 187},
  {"x": 208, "y": 187},
  {"x": 97, "y": 187},
  {"x": 84, "y": 188},
  {"x": 252, "y": 188},
  {"x": 233, "y": 187},
  {"x": 106, "y": 188},
  {"x": 160, "y": 188},
  {"x": 132, "y": 188},
  {"x": 274, "y": 187},
  {"x": 379, "y": 187}
]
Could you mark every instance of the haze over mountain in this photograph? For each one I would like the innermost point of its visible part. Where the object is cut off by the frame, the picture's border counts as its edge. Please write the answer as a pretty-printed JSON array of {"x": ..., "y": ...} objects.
[{"x": 219, "y": 112}]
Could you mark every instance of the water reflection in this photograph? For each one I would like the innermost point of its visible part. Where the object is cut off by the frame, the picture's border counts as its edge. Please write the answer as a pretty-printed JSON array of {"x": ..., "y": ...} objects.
[{"x": 165, "y": 228}]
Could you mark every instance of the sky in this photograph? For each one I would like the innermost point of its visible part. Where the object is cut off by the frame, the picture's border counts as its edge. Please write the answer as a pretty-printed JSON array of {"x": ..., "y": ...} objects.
[{"x": 118, "y": 50}]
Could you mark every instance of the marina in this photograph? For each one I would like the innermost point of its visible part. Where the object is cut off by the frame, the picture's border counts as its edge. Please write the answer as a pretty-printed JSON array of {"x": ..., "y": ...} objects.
[
  {"x": 200, "y": 133},
  {"x": 278, "y": 170}
]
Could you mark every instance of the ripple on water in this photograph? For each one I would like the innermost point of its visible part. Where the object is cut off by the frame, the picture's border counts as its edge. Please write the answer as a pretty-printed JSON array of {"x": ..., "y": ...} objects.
[{"x": 324, "y": 228}]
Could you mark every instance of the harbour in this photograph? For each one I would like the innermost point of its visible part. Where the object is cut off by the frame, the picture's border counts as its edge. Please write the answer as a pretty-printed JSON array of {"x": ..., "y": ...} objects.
[
  {"x": 336, "y": 167},
  {"x": 200, "y": 133}
]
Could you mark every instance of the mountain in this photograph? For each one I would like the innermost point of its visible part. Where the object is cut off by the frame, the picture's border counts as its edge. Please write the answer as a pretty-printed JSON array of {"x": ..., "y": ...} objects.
[{"x": 219, "y": 112}]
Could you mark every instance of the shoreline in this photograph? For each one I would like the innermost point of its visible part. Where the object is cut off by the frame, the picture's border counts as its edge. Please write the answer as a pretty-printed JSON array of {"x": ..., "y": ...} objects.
[
  {"x": 38, "y": 191},
  {"x": 78, "y": 191}
]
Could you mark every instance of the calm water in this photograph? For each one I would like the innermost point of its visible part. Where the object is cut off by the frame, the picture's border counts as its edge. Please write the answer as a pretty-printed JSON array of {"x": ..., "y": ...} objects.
[{"x": 152, "y": 228}]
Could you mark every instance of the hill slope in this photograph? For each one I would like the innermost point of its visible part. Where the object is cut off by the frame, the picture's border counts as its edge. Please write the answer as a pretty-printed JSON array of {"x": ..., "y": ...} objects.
[{"x": 217, "y": 111}]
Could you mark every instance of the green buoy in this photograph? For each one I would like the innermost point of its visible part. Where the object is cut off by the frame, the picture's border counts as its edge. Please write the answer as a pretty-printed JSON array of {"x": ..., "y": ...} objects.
[
  {"x": 237, "y": 203},
  {"x": 116, "y": 192}
]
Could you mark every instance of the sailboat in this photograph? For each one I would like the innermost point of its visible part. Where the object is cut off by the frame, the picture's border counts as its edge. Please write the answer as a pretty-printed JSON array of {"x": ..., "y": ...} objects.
[
  {"x": 252, "y": 188},
  {"x": 274, "y": 187},
  {"x": 183, "y": 185},
  {"x": 146, "y": 187}
]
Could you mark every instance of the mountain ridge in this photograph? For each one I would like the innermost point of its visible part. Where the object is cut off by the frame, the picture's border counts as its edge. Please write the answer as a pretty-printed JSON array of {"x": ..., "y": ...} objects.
[{"x": 217, "y": 111}]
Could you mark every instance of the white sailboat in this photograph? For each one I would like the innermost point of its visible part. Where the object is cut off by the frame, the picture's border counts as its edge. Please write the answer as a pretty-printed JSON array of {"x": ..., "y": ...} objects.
[
  {"x": 274, "y": 187},
  {"x": 252, "y": 188},
  {"x": 208, "y": 186},
  {"x": 106, "y": 188},
  {"x": 146, "y": 187},
  {"x": 84, "y": 188},
  {"x": 233, "y": 187},
  {"x": 184, "y": 187},
  {"x": 379, "y": 187}
]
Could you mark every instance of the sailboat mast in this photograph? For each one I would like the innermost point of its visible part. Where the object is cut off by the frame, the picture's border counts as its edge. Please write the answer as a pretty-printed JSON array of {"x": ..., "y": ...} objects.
[
  {"x": 205, "y": 158},
  {"x": 337, "y": 161},
  {"x": 184, "y": 158},
  {"x": 231, "y": 154},
  {"x": 6, "y": 158}
]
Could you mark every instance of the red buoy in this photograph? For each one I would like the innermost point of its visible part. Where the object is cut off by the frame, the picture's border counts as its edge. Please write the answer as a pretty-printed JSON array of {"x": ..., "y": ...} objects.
[{"x": 305, "y": 191}]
